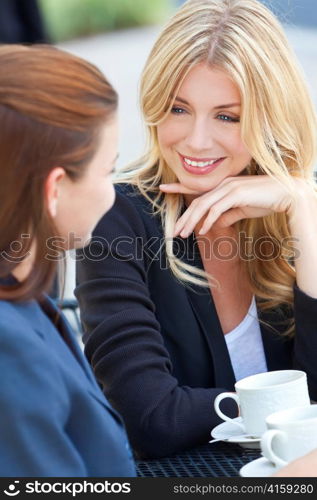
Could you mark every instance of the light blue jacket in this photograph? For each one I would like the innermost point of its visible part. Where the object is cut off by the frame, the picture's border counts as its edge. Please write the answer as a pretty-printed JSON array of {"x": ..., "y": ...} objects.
[{"x": 54, "y": 419}]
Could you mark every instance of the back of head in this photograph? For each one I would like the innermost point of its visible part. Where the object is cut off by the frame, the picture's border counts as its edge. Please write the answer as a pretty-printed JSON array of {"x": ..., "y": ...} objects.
[
  {"x": 244, "y": 39},
  {"x": 52, "y": 108}
]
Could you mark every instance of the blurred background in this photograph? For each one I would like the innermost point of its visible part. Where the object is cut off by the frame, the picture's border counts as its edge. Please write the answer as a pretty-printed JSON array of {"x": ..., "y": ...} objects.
[
  {"x": 67, "y": 19},
  {"x": 117, "y": 36}
]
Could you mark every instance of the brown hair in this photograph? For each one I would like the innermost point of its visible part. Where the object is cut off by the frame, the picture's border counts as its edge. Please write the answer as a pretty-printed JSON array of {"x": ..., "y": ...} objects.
[{"x": 52, "y": 107}]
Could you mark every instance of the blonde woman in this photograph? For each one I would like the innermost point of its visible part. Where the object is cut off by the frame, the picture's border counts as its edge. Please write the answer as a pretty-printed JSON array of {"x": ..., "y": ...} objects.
[{"x": 204, "y": 271}]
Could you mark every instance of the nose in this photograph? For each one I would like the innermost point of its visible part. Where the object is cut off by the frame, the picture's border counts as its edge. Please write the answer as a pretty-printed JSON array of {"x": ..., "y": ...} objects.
[{"x": 200, "y": 136}]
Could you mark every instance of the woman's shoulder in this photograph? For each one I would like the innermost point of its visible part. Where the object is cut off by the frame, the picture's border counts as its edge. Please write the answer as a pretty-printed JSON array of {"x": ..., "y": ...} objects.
[
  {"x": 12, "y": 313},
  {"x": 132, "y": 212},
  {"x": 20, "y": 322},
  {"x": 131, "y": 195},
  {"x": 21, "y": 336}
]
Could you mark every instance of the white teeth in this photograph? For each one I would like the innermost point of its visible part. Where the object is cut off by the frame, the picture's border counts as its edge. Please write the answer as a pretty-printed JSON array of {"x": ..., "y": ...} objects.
[{"x": 199, "y": 163}]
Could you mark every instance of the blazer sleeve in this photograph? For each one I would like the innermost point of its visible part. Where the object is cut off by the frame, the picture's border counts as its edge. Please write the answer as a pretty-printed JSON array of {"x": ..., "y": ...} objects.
[
  {"x": 34, "y": 408},
  {"x": 305, "y": 344},
  {"x": 125, "y": 346}
]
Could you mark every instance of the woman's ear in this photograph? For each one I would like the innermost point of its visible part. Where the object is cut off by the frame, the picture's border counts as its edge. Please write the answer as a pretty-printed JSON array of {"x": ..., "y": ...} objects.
[{"x": 53, "y": 186}]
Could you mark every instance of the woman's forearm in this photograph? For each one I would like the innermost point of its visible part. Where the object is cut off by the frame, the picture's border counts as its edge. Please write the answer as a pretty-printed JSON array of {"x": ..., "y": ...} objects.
[
  {"x": 303, "y": 226},
  {"x": 302, "y": 467}
]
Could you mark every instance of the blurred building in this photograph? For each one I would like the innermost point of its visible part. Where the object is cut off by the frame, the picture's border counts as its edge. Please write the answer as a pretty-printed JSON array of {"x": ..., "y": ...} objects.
[
  {"x": 21, "y": 22},
  {"x": 297, "y": 12}
]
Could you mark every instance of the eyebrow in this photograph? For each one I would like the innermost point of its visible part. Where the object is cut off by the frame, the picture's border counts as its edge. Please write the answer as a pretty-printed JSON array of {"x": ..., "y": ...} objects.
[{"x": 221, "y": 106}]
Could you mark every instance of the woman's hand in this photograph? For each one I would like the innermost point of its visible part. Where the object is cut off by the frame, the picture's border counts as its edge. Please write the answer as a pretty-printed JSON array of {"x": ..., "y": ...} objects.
[
  {"x": 302, "y": 467},
  {"x": 234, "y": 199}
]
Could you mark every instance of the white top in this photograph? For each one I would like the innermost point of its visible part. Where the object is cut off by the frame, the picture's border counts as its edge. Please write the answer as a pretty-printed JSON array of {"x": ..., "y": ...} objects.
[{"x": 245, "y": 346}]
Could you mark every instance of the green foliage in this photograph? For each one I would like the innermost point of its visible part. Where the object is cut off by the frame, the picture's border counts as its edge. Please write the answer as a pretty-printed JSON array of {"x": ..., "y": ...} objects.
[{"x": 67, "y": 19}]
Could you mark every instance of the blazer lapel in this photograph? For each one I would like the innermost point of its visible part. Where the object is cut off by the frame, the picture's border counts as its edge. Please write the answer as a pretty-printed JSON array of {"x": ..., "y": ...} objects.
[
  {"x": 67, "y": 334},
  {"x": 206, "y": 315},
  {"x": 277, "y": 348}
]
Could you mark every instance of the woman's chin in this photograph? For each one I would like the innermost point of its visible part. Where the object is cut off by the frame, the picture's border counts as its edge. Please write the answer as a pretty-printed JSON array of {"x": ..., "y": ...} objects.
[{"x": 199, "y": 185}]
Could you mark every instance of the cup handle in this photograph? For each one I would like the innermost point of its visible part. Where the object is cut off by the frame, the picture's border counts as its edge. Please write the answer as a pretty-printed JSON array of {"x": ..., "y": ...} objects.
[
  {"x": 218, "y": 399},
  {"x": 267, "y": 449}
]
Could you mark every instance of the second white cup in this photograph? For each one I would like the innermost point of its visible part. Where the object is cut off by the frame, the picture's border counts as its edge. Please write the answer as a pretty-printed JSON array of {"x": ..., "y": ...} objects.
[
  {"x": 292, "y": 433},
  {"x": 260, "y": 395}
]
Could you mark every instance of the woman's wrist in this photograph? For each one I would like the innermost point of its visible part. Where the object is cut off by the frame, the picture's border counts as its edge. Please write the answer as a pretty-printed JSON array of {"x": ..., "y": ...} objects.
[{"x": 303, "y": 202}]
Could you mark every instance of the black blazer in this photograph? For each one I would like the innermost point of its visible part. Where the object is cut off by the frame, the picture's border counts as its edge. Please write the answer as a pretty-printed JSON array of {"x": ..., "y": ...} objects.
[{"x": 156, "y": 346}]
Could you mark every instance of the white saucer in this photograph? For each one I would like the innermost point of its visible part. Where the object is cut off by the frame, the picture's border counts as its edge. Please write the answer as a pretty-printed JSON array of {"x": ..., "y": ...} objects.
[
  {"x": 260, "y": 467},
  {"x": 231, "y": 433}
]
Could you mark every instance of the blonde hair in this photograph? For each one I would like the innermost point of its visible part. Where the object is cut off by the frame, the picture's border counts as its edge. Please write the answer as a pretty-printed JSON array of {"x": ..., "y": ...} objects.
[{"x": 278, "y": 124}]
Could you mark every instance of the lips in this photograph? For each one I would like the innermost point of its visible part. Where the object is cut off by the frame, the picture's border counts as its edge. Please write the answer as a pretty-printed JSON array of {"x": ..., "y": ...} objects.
[{"x": 200, "y": 166}]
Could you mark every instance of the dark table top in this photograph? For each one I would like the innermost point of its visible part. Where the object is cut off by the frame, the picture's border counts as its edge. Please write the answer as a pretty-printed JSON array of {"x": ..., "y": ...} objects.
[{"x": 210, "y": 460}]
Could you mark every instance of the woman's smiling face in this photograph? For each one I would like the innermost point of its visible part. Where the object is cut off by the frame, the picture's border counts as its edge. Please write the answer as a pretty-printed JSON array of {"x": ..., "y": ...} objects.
[{"x": 200, "y": 138}]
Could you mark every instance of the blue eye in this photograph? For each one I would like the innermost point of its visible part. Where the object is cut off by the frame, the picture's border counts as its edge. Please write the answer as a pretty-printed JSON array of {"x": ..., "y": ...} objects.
[
  {"x": 226, "y": 118},
  {"x": 177, "y": 110}
]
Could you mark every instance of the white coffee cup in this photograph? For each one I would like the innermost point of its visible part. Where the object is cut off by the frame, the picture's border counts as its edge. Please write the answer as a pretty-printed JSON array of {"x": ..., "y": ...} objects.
[
  {"x": 260, "y": 395},
  {"x": 292, "y": 433}
]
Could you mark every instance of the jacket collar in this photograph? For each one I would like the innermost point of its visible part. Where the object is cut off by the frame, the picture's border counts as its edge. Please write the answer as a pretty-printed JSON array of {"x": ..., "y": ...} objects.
[
  {"x": 277, "y": 349},
  {"x": 203, "y": 306},
  {"x": 54, "y": 313}
]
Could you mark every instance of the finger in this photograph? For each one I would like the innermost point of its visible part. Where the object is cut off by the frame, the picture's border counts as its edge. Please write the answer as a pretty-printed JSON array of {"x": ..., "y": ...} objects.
[
  {"x": 204, "y": 201},
  {"x": 185, "y": 218},
  {"x": 233, "y": 215},
  {"x": 215, "y": 212},
  {"x": 202, "y": 206},
  {"x": 176, "y": 187},
  {"x": 180, "y": 224},
  {"x": 230, "y": 217}
]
